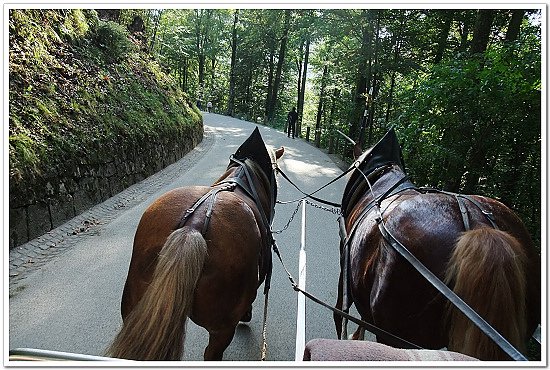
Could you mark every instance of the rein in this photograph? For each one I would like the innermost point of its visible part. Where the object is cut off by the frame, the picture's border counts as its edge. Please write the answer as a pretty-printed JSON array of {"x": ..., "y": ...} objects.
[{"x": 310, "y": 195}]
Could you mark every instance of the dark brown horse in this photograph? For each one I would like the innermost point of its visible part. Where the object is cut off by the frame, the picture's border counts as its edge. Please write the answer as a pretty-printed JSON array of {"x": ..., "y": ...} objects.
[
  {"x": 200, "y": 252},
  {"x": 476, "y": 245}
]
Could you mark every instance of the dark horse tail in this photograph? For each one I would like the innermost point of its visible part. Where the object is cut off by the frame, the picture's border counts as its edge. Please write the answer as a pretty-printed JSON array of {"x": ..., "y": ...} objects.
[
  {"x": 487, "y": 269},
  {"x": 155, "y": 329}
]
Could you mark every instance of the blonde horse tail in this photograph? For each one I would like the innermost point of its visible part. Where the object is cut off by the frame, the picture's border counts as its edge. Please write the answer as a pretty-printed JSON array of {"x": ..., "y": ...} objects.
[
  {"x": 487, "y": 269},
  {"x": 155, "y": 329}
]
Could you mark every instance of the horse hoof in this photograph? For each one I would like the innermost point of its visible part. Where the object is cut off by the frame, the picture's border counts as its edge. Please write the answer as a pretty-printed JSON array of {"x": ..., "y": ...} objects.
[{"x": 247, "y": 316}]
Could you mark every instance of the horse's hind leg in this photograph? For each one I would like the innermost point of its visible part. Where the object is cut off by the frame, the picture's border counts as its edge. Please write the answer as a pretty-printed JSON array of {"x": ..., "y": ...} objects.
[
  {"x": 359, "y": 333},
  {"x": 247, "y": 315},
  {"x": 218, "y": 341}
]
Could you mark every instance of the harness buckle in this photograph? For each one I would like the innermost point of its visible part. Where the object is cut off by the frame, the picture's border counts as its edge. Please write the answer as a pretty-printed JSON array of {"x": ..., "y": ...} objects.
[{"x": 488, "y": 214}]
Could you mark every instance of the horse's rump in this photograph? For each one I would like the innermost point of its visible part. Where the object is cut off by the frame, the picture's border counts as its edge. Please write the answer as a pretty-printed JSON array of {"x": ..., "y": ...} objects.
[
  {"x": 228, "y": 275},
  {"x": 387, "y": 287}
]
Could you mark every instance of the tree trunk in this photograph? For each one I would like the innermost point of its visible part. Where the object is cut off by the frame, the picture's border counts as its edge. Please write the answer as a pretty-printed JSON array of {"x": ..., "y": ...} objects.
[
  {"x": 269, "y": 82},
  {"x": 281, "y": 58},
  {"x": 390, "y": 98},
  {"x": 301, "y": 97},
  {"x": 157, "y": 23},
  {"x": 202, "y": 62},
  {"x": 362, "y": 79},
  {"x": 375, "y": 79},
  {"x": 482, "y": 30},
  {"x": 185, "y": 74},
  {"x": 231, "y": 98},
  {"x": 443, "y": 34},
  {"x": 512, "y": 33},
  {"x": 320, "y": 107},
  {"x": 396, "y": 53},
  {"x": 464, "y": 28}
]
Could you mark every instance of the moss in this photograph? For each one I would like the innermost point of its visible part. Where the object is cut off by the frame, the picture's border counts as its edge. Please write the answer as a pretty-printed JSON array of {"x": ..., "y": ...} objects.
[{"x": 69, "y": 95}]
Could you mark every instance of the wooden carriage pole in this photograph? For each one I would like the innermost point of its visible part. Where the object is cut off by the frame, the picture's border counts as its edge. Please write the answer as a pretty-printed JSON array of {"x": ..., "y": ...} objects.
[{"x": 301, "y": 305}]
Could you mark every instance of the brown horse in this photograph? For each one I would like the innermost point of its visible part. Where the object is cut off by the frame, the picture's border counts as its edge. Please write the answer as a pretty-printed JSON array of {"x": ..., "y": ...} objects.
[
  {"x": 200, "y": 252},
  {"x": 476, "y": 245}
]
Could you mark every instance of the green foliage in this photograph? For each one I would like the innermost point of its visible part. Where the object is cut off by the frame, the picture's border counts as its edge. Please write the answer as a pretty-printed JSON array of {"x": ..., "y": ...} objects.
[
  {"x": 77, "y": 98},
  {"x": 473, "y": 125},
  {"x": 112, "y": 38}
]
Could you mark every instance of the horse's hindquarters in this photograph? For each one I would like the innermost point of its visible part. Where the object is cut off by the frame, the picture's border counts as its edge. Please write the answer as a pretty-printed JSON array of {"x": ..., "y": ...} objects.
[
  {"x": 229, "y": 281},
  {"x": 158, "y": 221}
]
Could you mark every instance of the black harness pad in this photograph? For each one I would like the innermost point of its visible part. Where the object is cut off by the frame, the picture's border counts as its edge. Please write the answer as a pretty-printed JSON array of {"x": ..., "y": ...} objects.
[{"x": 386, "y": 151}]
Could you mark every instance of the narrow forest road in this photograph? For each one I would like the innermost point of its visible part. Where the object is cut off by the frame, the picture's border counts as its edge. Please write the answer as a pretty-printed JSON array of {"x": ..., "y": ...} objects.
[{"x": 65, "y": 292}]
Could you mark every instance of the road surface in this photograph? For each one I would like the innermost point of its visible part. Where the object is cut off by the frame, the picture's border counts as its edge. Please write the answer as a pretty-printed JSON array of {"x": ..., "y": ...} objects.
[{"x": 65, "y": 287}]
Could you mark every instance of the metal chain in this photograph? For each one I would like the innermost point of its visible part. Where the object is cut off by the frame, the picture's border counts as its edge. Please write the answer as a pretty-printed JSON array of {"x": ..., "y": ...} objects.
[
  {"x": 289, "y": 221},
  {"x": 263, "y": 349},
  {"x": 336, "y": 211}
]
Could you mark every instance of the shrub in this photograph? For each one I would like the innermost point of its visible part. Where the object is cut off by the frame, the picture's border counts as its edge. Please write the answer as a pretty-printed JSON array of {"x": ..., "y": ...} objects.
[{"x": 112, "y": 38}]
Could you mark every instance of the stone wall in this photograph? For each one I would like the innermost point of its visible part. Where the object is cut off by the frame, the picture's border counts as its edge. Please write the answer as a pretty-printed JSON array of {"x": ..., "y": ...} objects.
[{"x": 39, "y": 204}]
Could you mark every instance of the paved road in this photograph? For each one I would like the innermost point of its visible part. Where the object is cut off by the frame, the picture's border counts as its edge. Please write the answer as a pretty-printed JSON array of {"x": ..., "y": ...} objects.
[{"x": 65, "y": 287}]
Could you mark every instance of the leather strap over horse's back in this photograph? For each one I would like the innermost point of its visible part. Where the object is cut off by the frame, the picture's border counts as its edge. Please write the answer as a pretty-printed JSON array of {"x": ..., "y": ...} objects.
[
  {"x": 230, "y": 184},
  {"x": 460, "y": 198},
  {"x": 211, "y": 196}
]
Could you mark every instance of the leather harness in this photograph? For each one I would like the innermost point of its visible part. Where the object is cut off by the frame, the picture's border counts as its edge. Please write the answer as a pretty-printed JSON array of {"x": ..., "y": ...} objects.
[{"x": 230, "y": 184}]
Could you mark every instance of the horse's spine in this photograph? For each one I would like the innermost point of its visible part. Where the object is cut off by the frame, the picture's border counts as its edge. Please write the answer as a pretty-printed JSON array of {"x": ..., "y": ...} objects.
[
  {"x": 155, "y": 329},
  {"x": 487, "y": 270}
]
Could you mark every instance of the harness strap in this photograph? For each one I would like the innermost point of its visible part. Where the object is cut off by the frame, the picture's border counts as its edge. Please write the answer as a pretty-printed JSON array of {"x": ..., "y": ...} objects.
[
  {"x": 488, "y": 214},
  {"x": 310, "y": 195},
  {"x": 397, "y": 188},
  {"x": 463, "y": 212},
  {"x": 250, "y": 190},
  {"x": 214, "y": 191},
  {"x": 392, "y": 188},
  {"x": 238, "y": 181},
  {"x": 208, "y": 215},
  {"x": 450, "y": 295}
]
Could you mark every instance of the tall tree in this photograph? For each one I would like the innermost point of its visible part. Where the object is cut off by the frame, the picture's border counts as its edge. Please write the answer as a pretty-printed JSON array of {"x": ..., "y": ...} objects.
[
  {"x": 157, "y": 14},
  {"x": 482, "y": 30},
  {"x": 362, "y": 73},
  {"x": 231, "y": 98},
  {"x": 447, "y": 20},
  {"x": 302, "y": 88},
  {"x": 514, "y": 26},
  {"x": 320, "y": 107},
  {"x": 272, "y": 104}
]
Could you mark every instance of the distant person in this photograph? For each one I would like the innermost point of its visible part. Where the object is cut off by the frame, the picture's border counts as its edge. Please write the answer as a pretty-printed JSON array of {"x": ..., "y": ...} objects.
[
  {"x": 209, "y": 106},
  {"x": 291, "y": 121}
]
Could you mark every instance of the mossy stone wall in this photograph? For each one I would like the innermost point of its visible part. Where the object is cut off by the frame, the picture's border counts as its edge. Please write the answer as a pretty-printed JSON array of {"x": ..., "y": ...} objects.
[{"x": 41, "y": 203}]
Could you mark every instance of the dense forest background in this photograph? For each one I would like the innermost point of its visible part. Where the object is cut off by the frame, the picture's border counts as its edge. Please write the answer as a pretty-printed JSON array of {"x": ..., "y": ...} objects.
[{"x": 462, "y": 87}]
